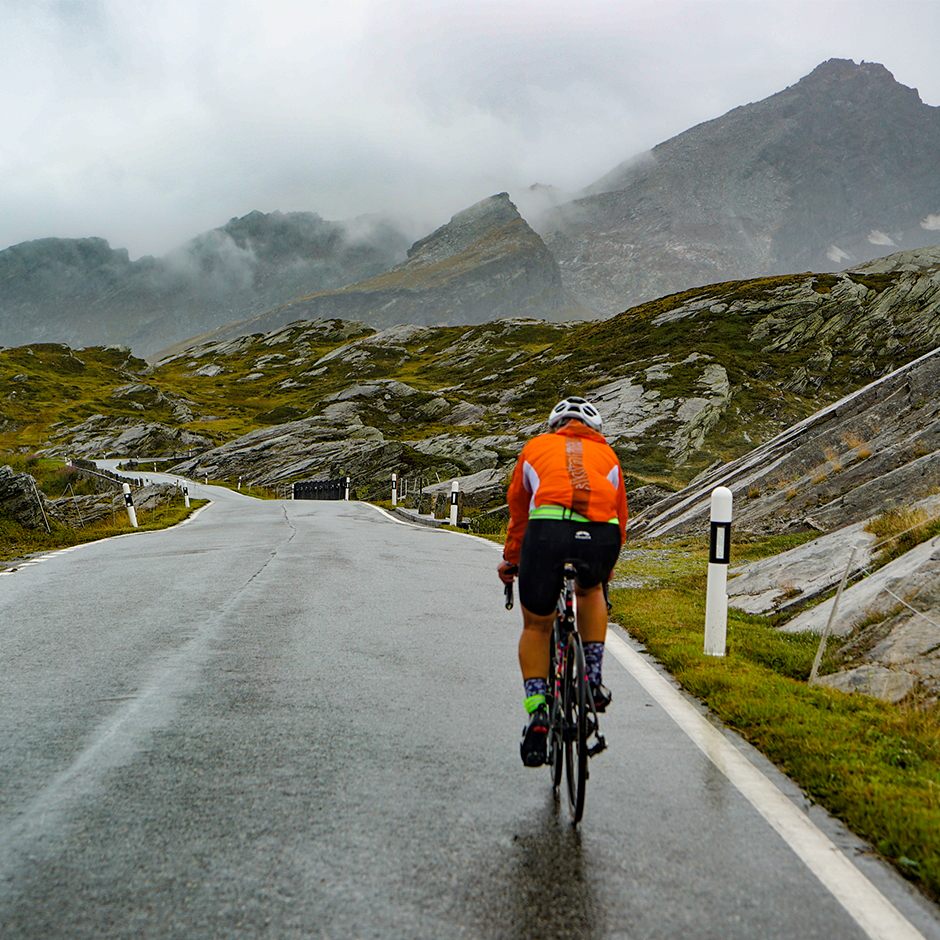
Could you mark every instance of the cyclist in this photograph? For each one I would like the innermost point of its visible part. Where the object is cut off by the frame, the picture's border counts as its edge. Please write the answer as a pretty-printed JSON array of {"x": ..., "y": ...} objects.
[{"x": 566, "y": 502}]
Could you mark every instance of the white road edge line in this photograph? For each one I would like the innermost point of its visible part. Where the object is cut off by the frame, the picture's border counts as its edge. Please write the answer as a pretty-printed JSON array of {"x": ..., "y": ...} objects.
[
  {"x": 864, "y": 903},
  {"x": 393, "y": 517},
  {"x": 417, "y": 525},
  {"x": 71, "y": 548},
  {"x": 867, "y": 906}
]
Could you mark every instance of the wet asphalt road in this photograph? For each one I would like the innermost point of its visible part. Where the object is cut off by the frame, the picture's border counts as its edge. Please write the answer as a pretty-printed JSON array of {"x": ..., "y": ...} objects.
[{"x": 301, "y": 719}]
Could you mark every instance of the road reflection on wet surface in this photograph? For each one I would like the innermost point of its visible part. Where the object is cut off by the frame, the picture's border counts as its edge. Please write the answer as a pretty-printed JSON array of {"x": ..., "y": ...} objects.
[{"x": 550, "y": 891}]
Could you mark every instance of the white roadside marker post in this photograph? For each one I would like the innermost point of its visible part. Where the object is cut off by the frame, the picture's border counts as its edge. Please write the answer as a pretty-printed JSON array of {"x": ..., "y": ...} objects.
[
  {"x": 129, "y": 503},
  {"x": 394, "y": 489},
  {"x": 346, "y": 497},
  {"x": 454, "y": 497},
  {"x": 719, "y": 554},
  {"x": 186, "y": 496}
]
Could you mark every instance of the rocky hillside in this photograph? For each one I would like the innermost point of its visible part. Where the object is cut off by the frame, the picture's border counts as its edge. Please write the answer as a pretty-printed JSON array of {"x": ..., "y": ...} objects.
[
  {"x": 811, "y": 396},
  {"x": 835, "y": 170},
  {"x": 485, "y": 264},
  {"x": 682, "y": 382},
  {"x": 82, "y": 292}
]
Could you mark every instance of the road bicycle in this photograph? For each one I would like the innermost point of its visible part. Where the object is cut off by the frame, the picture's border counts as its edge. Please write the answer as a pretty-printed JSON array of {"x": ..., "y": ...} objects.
[{"x": 572, "y": 714}]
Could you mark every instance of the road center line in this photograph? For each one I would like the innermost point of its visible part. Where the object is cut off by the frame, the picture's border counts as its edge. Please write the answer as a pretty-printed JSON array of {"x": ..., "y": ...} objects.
[{"x": 867, "y": 906}]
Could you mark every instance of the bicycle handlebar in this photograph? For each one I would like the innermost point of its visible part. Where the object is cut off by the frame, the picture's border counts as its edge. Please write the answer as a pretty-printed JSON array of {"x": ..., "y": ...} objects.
[{"x": 508, "y": 588}]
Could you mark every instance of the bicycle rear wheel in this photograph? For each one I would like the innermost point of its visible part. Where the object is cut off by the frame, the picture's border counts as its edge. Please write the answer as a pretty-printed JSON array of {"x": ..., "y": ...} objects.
[
  {"x": 574, "y": 686},
  {"x": 556, "y": 721}
]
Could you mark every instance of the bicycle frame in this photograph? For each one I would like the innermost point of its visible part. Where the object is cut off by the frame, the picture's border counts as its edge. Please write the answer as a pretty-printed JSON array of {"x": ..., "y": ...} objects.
[
  {"x": 571, "y": 709},
  {"x": 572, "y": 714}
]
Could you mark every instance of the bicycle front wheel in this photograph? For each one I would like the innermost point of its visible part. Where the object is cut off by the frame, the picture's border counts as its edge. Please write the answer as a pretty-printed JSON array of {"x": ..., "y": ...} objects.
[{"x": 575, "y": 732}]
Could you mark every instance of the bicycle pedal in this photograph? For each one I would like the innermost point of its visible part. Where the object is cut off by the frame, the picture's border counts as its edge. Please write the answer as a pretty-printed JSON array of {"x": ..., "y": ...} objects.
[{"x": 598, "y": 747}]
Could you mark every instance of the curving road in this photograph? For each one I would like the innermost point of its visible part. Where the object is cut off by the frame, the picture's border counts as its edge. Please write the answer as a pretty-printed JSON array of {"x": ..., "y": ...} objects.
[{"x": 300, "y": 719}]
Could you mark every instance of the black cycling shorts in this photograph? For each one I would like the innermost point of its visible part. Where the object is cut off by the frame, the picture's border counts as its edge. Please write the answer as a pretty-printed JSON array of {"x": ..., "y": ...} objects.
[{"x": 549, "y": 543}]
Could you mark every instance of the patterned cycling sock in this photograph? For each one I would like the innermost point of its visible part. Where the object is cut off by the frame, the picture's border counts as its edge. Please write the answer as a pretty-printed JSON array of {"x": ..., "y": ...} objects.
[
  {"x": 593, "y": 660},
  {"x": 535, "y": 691}
]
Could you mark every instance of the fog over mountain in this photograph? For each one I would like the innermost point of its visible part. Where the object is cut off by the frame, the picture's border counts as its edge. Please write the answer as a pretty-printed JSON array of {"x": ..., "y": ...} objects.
[
  {"x": 485, "y": 264},
  {"x": 83, "y": 292},
  {"x": 833, "y": 171},
  {"x": 840, "y": 168}
]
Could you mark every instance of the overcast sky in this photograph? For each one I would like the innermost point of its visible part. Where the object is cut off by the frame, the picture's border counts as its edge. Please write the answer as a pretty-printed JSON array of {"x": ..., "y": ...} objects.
[{"x": 147, "y": 123}]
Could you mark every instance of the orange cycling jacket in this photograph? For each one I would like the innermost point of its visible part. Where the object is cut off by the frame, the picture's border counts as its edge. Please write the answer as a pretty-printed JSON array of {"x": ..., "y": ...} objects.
[{"x": 573, "y": 467}]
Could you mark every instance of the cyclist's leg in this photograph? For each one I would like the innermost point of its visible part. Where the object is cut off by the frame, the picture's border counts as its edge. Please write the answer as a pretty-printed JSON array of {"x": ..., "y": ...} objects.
[
  {"x": 598, "y": 554},
  {"x": 534, "y": 655},
  {"x": 533, "y": 644},
  {"x": 538, "y": 589},
  {"x": 592, "y": 613},
  {"x": 540, "y": 578}
]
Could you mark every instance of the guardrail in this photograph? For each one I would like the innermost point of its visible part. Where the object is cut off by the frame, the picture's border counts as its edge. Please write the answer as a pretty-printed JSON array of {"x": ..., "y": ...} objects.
[{"x": 322, "y": 489}]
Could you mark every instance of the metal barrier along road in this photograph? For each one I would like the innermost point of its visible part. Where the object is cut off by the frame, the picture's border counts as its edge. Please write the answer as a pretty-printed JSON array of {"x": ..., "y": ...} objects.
[{"x": 322, "y": 489}]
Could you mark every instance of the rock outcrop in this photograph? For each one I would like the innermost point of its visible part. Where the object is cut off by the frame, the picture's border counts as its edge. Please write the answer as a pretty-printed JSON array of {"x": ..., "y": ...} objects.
[
  {"x": 309, "y": 449},
  {"x": 105, "y": 436},
  {"x": 888, "y": 618},
  {"x": 20, "y": 499},
  {"x": 833, "y": 171},
  {"x": 841, "y": 465},
  {"x": 847, "y": 461}
]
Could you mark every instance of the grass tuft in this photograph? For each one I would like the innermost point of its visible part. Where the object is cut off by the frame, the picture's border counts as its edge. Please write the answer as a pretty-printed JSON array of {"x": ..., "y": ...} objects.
[{"x": 901, "y": 529}]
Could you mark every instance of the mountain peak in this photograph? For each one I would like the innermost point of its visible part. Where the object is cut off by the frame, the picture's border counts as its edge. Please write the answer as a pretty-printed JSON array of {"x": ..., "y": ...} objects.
[
  {"x": 833, "y": 171},
  {"x": 844, "y": 80},
  {"x": 468, "y": 226},
  {"x": 845, "y": 68}
]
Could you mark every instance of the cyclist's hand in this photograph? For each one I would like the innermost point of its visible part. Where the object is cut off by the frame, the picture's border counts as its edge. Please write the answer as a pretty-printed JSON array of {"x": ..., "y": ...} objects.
[{"x": 507, "y": 572}]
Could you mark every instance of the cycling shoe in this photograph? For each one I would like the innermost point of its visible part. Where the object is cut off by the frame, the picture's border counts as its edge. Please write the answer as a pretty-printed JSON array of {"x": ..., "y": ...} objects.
[
  {"x": 601, "y": 696},
  {"x": 534, "y": 738}
]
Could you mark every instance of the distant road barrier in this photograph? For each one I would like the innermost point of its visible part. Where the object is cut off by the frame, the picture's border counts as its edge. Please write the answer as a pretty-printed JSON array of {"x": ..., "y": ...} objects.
[{"x": 322, "y": 489}]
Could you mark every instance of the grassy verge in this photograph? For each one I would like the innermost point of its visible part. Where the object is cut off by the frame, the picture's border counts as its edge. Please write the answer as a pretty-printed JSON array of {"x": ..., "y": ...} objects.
[
  {"x": 875, "y": 766},
  {"x": 52, "y": 477},
  {"x": 18, "y": 542}
]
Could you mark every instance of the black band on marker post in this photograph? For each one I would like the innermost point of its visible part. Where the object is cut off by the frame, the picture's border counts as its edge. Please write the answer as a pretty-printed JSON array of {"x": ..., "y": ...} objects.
[{"x": 719, "y": 549}]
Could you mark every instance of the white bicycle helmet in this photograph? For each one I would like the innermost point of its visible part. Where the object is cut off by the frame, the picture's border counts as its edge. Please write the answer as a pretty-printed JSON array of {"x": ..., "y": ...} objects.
[{"x": 576, "y": 408}]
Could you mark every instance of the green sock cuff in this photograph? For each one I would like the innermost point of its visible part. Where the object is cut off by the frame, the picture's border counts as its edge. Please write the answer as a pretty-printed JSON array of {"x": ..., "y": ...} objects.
[{"x": 534, "y": 702}]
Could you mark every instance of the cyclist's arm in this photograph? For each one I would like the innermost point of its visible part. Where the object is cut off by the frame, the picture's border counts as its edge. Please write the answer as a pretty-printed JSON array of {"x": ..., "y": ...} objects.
[
  {"x": 518, "y": 498},
  {"x": 622, "y": 513}
]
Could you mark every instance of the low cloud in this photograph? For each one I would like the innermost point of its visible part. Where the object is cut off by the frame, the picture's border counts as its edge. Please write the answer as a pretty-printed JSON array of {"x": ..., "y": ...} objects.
[
  {"x": 214, "y": 262},
  {"x": 931, "y": 223},
  {"x": 880, "y": 238},
  {"x": 147, "y": 123}
]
